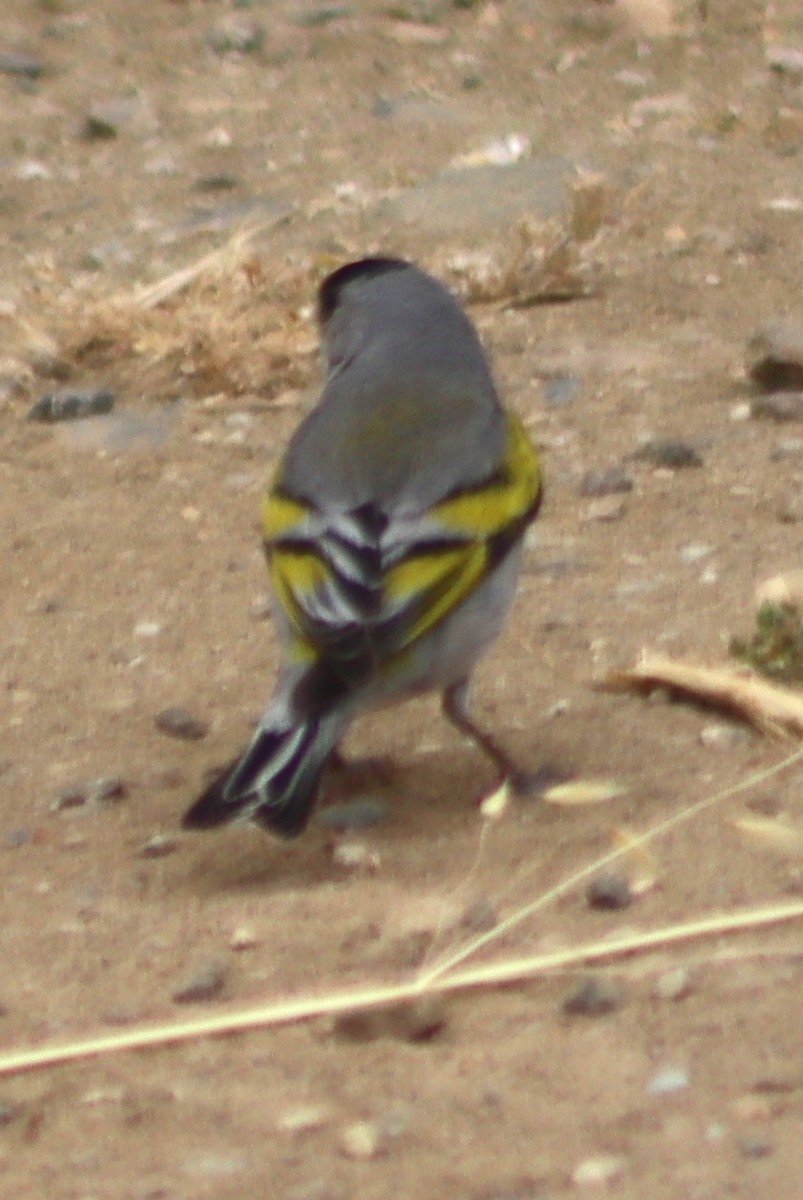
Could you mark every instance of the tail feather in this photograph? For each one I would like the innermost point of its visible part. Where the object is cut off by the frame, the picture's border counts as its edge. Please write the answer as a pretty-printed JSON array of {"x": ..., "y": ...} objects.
[{"x": 275, "y": 781}]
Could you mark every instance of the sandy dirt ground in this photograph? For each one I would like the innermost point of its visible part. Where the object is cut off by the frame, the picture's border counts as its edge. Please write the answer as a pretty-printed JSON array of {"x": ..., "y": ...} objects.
[{"x": 131, "y": 581}]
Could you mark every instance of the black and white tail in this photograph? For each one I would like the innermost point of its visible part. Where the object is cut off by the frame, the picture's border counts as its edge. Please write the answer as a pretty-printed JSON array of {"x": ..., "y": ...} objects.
[{"x": 275, "y": 781}]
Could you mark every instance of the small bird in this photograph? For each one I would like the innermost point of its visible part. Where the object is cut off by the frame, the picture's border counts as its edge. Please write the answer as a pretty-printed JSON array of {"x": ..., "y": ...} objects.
[{"x": 392, "y": 532}]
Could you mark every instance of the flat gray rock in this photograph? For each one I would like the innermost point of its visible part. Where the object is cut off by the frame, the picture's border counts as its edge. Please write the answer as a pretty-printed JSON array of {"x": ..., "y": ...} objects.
[{"x": 485, "y": 197}]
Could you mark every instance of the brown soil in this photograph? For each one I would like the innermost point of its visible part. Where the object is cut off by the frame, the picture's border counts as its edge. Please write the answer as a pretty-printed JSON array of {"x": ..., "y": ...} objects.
[{"x": 132, "y": 581}]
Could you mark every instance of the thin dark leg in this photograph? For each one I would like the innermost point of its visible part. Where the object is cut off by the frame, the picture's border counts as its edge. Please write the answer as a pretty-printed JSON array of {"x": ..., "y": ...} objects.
[{"x": 455, "y": 704}]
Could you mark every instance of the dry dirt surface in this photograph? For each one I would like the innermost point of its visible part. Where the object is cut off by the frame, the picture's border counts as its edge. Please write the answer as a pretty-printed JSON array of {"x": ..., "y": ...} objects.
[{"x": 135, "y": 139}]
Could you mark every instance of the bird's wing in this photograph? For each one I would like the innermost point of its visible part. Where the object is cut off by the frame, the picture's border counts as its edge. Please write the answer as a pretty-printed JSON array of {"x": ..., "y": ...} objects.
[{"x": 358, "y": 587}]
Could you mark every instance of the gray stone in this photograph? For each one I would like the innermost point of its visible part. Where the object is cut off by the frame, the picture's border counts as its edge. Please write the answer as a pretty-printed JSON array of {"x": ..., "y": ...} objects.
[
  {"x": 204, "y": 983},
  {"x": 593, "y": 996},
  {"x": 486, "y": 197},
  {"x": 606, "y": 482},
  {"x": 775, "y": 356},
  {"x": 72, "y": 404},
  {"x": 609, "y": 891},
  {"x": 26, "y": 66},
  {"x": 180, "y": 723},
  {"x": 780, "y": 406},
  {"x": 666, "y": 452},
  {"x": 668, "y": 1080}
]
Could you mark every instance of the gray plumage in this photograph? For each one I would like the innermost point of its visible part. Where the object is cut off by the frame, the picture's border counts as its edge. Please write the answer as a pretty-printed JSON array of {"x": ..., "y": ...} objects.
[{"x": 381, "y": 593}]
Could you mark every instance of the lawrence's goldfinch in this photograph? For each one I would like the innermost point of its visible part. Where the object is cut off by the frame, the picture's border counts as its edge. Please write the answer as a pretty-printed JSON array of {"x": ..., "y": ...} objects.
[{"x": 393, "y": 530}]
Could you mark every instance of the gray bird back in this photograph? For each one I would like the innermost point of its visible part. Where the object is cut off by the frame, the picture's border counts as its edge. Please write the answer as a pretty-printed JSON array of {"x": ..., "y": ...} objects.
[{"x": 409, "y": 412}]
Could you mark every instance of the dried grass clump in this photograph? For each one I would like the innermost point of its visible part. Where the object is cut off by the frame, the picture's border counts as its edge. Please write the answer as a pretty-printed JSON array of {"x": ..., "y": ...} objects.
[
  {"x": 230, "y": 322},
  {"x": 539, "y": 261}
]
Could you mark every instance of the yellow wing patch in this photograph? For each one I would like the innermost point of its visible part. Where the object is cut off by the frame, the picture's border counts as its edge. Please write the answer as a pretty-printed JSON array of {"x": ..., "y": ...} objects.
[
  {"x": 488, "y": 509},
  {"x": 434, "y": 583},
  {"x": 439, "y": 580},
  {"x": 469, "y": 530},
  {"x": 280, "y": 513},
  {"x": 295, "y": 575}
]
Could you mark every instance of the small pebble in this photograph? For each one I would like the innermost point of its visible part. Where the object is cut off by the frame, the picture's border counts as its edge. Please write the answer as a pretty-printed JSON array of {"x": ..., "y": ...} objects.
[
  {"x": 303, "y": 1119},
  {"x": 600, "y": 1169},
  {"x": 73, "y": 841},
  {"x": 105, "y": 1095},
  {"x": 752, "y": 1107},
  {"x": 632, "y": 79},
  {"x": 26, "y": 66},
  {"x": 361, "y": 1025},
  {"x": 786, "y": 60},
  {"x": 775, "y": 356},
  {"x": 320, "y": 14},
  {"x": 694, "y": 552},
  {"x": 607, "y": 508},
  {"x": 355, "y": 856},
  {"x": 8, "y": 1113},
  {"x": 593, "y": 996},
  {"x": 420, "y": 1020},
  {"x": 72, "y": 405},
  {"x": 674, "y": 984},
  {"x": 362, "y": 1140},
  {"x": 560, "y": 389},
  {"x": 180, "y": 723},
  {"x": 218, "y": 181},
  {"x": 13, "y": 839},
  {"x": 667, "y": 1081},
  {"x": 147, "y": 629},
  {"x": 106, "y": 789},
  {"x": 780, "y": 406},
  {"x": 101, "y": 256},
  {"x": 205, "y": 983},
  {"x": 480, "y": 915},
  {"x": 777, "y": 1085},
  {"x": 791, "y": 447},
  {"x": 236, "y": 35},
  {"x": 70, "y": 797},
  {"x": 98, "y": 127},
  {"x": 783, "y": 590},
  {"x": 668, "y": 453},
  {"x": 608, "y": 482},
  {"x": 789, "y": 510},
  {"x": 32, "y": 168},
  {"x": 96, "y": 791},
  {"x": 107, "y": 117},
  {"x": 261, "y": 609},
  {"x": 719, "y": 736},
  {"x": 416, "y": 1021},
  {"x": 243, "y": 938},
  {"x": 755, "y": 1146},
  {"x": 609, "y": 891},
  {"x": 158, "y": 846},
  {"x": 353, "y": 814}
]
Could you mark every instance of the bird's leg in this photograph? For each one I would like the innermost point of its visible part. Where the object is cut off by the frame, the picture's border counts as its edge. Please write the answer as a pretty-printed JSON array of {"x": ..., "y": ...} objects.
[{"x": 455, "y": 705}]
